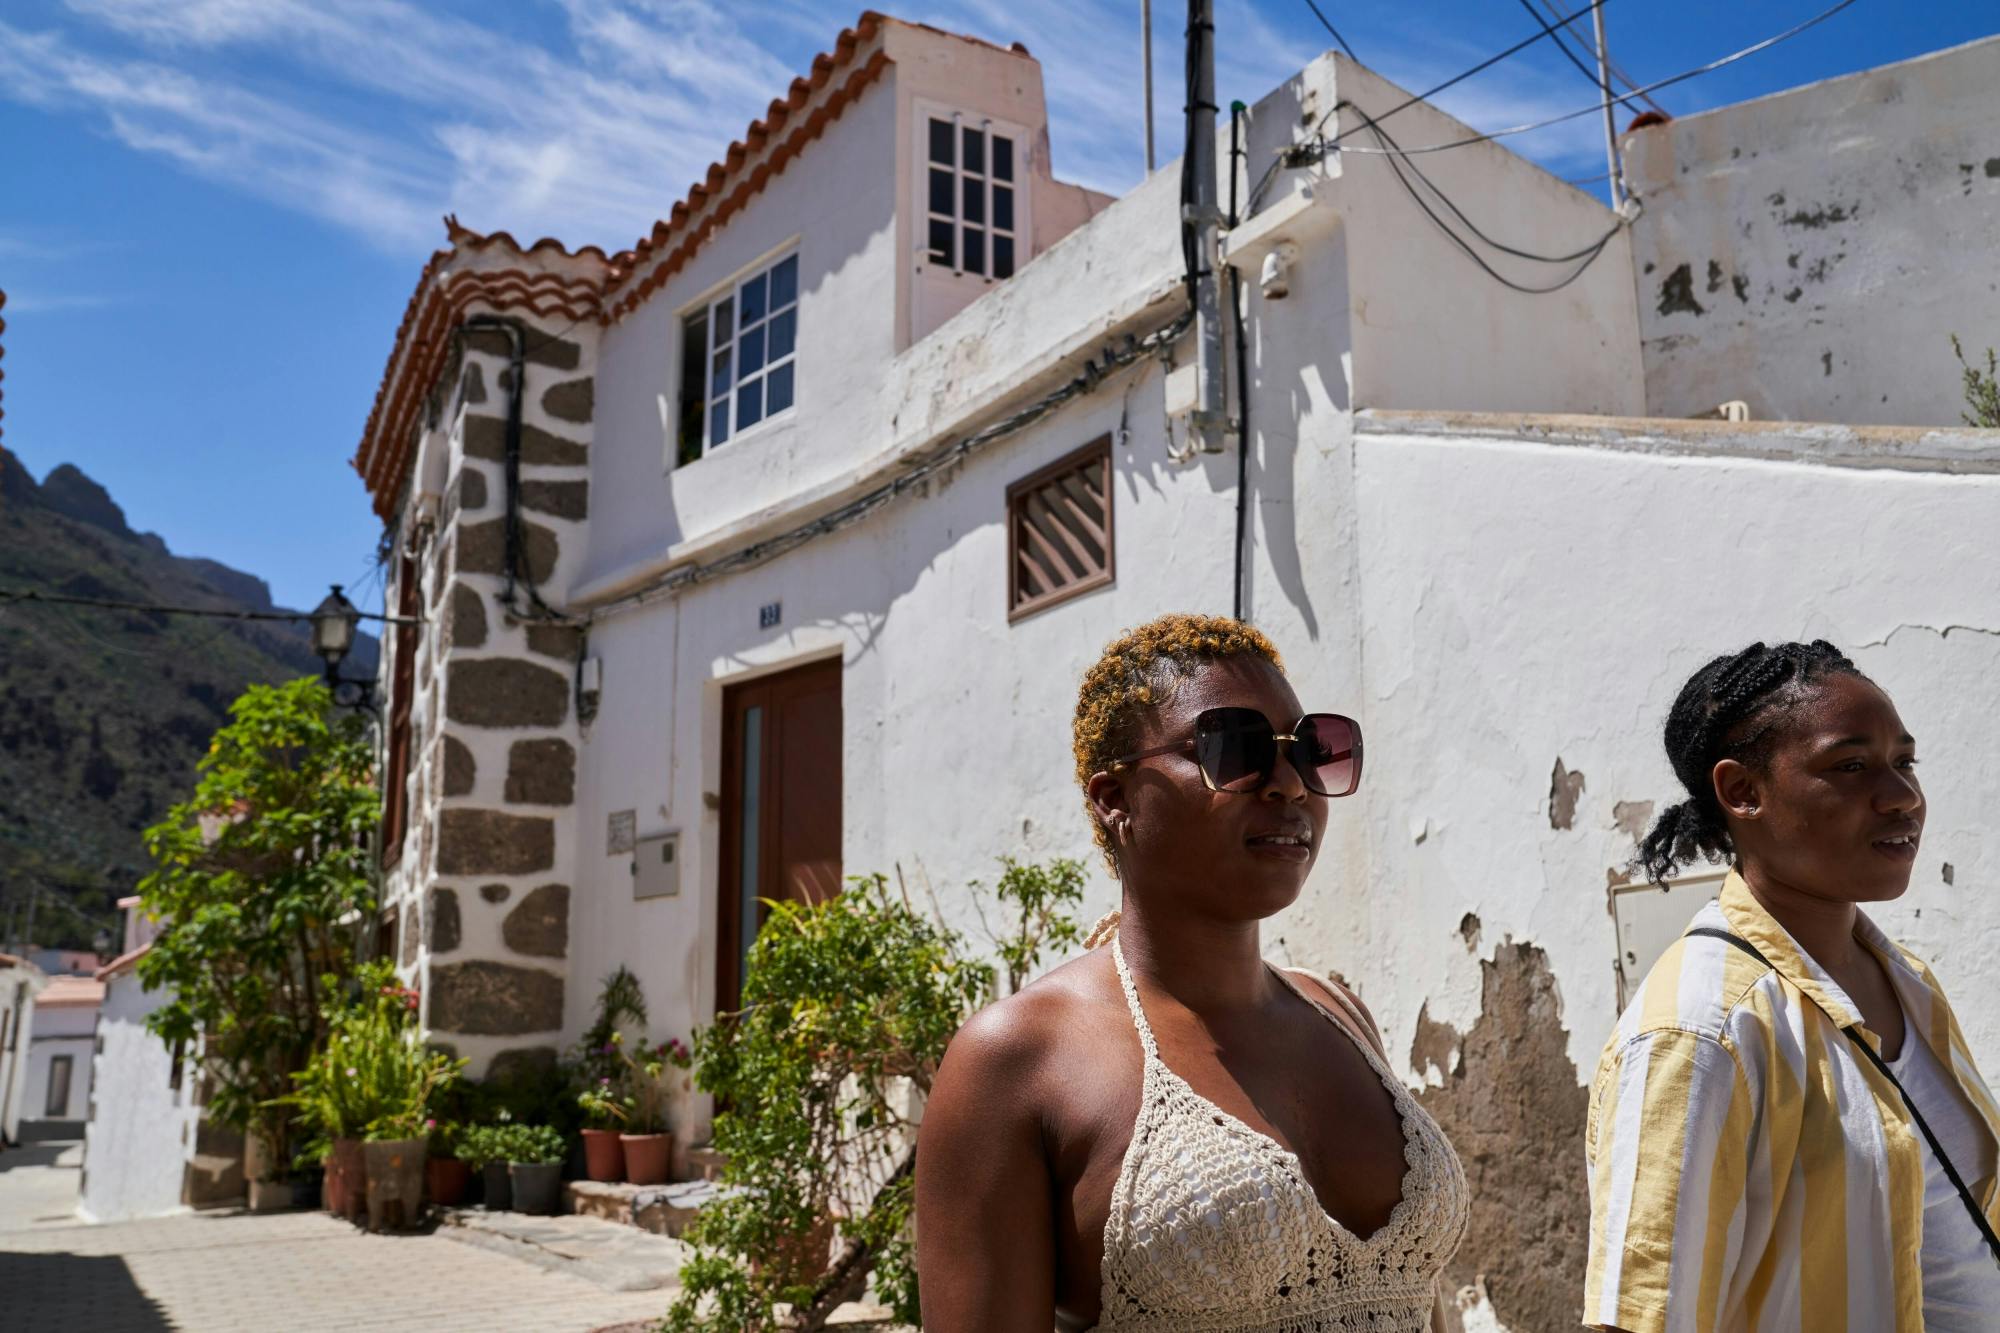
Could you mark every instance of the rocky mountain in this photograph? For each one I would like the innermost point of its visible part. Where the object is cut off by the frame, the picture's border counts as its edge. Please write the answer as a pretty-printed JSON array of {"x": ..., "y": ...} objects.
[{"x": 103, "y": 714}]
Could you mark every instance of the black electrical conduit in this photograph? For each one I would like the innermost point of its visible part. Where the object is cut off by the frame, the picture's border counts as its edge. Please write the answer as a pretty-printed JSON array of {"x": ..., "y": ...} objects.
[{"x": 1236, "y": 110}]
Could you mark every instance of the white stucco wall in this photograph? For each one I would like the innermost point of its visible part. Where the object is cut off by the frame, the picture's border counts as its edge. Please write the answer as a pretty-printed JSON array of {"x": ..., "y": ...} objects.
[
  {"x": 59, "y": 1030},
  {"x": 1811, "y": 252},
  {"x": 142, "y": 1129},
  {"x": 18, "y": 986}
]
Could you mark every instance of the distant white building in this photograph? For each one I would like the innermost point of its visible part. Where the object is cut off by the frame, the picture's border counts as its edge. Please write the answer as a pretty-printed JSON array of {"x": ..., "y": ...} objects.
[
  {"x": 772, "y": 550},
  {"x": 20, "y": 982},
  {"x": 56, "y": 1095}
]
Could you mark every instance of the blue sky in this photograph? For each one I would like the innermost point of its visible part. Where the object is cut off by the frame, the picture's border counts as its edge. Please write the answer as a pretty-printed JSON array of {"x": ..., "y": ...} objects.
[{"x": 214, "y": 210}]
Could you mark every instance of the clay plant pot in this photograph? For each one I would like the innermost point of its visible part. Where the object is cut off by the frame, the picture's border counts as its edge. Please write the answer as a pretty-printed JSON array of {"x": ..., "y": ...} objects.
[
  {"x": 493, "y": 1178},
  {"x": 395, "y": 1183},
  {"x": 647, "y": 1158},
  {"x": 270, "y": 1196},
  {"x": 448, "y": 1180},
  {"x": 537, "y": 1187},
  {"x": 346, "y": 1179},
  {"x": 603, "y": 1155}
]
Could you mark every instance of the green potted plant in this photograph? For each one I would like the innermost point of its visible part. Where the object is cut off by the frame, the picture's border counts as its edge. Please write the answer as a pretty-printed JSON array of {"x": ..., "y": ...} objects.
[
  {"x": 649, "y": 1148},
  {"x": 534, "y": 1167},
  {"x": 483, "y": 1148},
  {"x": 606, "y": 1107}
]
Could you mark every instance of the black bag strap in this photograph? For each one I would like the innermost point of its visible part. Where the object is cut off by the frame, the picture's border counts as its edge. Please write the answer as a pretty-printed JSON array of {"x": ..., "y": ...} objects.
[{"x": 1882, "y": 1066}]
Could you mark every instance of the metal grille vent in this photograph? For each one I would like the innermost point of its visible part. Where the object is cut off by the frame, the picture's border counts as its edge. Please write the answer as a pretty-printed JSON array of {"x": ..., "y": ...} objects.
[{"x": 1059, "y": 531}]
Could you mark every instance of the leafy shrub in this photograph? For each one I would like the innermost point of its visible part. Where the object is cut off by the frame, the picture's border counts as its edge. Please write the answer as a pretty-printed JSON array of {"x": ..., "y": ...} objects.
[
  {"x": 374, "y": 1078},
  {"x": 1982, "y": 388},
  {"x": 534, "y": 1145}
]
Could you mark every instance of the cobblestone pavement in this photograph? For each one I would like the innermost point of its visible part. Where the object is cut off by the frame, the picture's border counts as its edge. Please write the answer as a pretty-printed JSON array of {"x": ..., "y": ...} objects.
[{"x": 233, "y": 1272}]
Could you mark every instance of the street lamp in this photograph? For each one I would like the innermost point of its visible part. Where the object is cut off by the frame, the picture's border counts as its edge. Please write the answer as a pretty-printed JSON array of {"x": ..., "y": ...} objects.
[{"x": 333, "y": 625}]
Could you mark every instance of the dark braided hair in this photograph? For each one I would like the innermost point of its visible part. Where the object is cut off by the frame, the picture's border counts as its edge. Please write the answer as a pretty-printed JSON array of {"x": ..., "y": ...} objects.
[{"x": 1727, "y": 710}]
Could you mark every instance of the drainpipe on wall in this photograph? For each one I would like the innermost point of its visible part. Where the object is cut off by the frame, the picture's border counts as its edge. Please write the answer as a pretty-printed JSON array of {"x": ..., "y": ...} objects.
[{"x": 1201, "y": 218}]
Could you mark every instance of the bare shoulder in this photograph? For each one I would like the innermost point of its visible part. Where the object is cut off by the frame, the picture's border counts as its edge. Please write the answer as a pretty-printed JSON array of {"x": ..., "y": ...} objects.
[
  {"x": 1026, "y": 1031},
  {"x": 1338, "y": 997}
]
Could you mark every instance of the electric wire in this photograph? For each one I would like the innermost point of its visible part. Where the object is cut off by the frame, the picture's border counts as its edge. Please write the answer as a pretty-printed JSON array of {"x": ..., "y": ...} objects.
[
  {"x": 1654, "y": 86},
  {"x": 1270, "y": 172},
  {"x": 1094, "y": 372},
  {"x": 1592, "y": 250},
  {"x": 1588, "y": 254},
  {"x": 17, "y": 595},
  {"x": 1618, "y": 71},
  {"x": 1571, "y": 56},
  {"x": 1327, "y": 23}
]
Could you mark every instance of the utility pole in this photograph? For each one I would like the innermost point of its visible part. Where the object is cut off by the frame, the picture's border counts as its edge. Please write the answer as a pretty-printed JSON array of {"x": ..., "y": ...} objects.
[
  {"x": 1610, "y": 120},
  {"x": 1146, "y": 64},
  {"x": 1203, "y": 213}
]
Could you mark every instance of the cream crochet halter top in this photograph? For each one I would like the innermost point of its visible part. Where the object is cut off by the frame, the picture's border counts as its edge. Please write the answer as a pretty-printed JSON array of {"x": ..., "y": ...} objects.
[{"x": 1215, "y": 1229}]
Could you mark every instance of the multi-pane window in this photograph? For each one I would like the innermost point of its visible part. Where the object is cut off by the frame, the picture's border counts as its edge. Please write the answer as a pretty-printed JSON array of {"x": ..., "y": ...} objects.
[
  {"x": 1059, "y": 538},
  {"x": 971, "y": 199},
  {"x": 739, "y": 358}
]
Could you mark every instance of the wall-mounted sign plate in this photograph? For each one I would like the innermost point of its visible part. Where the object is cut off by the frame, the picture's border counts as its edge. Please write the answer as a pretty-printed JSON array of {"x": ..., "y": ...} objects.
[{"x": 769, "y": 614}]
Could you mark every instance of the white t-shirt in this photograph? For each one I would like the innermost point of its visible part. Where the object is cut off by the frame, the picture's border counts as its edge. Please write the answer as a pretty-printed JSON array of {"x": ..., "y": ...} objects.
[{"x": 1961, "y": 1276}]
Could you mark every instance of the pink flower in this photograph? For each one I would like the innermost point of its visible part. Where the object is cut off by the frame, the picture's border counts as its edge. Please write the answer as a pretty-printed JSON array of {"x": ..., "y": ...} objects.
[
  {"x": 430, "y": 1124},
  {"x": 351, "y": 1071}
]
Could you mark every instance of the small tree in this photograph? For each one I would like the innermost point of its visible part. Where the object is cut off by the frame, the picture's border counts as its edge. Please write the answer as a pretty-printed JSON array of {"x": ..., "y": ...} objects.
[
  {"x": 848, "y": 1005},
  {"x": 258, "y": 881},
  {"x": 1982, "y": 388},
  {"x": 841, "y": 1000}
]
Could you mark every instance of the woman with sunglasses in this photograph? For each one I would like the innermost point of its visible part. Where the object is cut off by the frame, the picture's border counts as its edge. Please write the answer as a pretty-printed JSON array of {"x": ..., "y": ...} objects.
[
  {"x": 1787, "y": 1130},
  {"x": 1170, "y": 1133}
]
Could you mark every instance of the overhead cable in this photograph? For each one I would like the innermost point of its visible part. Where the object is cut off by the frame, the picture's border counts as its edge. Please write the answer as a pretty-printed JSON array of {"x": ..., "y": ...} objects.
[
  {"x": 1327, "y": 23},
  {"x": 1270, "y": 172},
  {"x": 1618, "y": 71},
  {"x": 8, "y": 595},
  {"x": 1597, "y": 106},
  {"x": 1094, "y": 372},
  {"x": 1570, "y": 55}
]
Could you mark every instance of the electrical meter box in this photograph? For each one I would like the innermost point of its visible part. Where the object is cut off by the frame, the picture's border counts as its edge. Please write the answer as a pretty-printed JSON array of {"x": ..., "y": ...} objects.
[
  {"x": 1649, "y": 919},
  {"x": 656, "y": 866}
]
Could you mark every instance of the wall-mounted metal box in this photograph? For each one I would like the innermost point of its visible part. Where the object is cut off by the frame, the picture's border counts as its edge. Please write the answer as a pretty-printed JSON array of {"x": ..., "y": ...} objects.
[
  {"x": 656, "y": 866},
  {"x": 1650, "y": 919}
]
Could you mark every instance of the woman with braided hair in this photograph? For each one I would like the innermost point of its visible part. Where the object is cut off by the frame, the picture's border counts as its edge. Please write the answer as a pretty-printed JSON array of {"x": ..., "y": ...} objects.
[
  {"x": 1787, "y": 1130},
  {"x": 1169, "y": 1133}
]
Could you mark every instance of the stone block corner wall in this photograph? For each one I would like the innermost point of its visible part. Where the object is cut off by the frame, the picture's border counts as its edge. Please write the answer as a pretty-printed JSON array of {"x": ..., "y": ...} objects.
[{"x": 481, "y": 891}]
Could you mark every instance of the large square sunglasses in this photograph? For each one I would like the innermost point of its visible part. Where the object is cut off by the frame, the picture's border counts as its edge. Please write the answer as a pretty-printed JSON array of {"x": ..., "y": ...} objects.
[{"x": 1237, "y": 750}]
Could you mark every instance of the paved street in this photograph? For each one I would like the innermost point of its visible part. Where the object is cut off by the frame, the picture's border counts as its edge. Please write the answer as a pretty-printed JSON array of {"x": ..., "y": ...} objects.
[{"x": 235, "y": 1272}]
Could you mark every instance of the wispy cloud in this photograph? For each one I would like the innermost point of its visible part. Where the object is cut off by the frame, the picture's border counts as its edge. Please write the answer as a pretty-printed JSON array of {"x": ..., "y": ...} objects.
[
  {"x": 379, "y": 115},
  {"x": 45, "y": 303}
]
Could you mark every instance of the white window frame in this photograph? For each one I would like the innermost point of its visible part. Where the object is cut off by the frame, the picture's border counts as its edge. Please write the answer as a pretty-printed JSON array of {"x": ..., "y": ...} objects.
[
  {"x": 989, "y": 129},
  {"x": 732, "y": 293}
]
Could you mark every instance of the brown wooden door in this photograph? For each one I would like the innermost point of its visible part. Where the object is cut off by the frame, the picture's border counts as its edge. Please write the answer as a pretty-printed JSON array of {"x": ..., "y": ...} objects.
[{"x": 780, "y": 806}]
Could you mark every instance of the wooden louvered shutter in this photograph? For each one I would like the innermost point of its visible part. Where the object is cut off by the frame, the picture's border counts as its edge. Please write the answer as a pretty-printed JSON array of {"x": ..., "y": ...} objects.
[{"x": 1059, "y": 534}]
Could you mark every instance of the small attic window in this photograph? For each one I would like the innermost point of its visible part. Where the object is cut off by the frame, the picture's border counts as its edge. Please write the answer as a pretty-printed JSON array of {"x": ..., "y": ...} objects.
[
  {"x": 1059, "y": 534},
  {"x": 970, "y": 199},
  {"x": 739, "y": 359}
]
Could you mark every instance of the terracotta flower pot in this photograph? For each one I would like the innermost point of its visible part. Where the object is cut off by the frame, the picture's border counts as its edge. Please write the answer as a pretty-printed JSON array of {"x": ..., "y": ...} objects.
[
  {"x": 603, "y": 1155},
  {"x": 346, "y": 1179},
  {"x": 448, "y": 1179},
  {"x": 647, "y": 1157},
  {"x": 395, "y": 1183}
]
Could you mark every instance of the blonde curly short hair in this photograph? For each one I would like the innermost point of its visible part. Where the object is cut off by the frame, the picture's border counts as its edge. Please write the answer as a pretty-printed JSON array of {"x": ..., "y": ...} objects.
[{"x": 1139, "y": 669}]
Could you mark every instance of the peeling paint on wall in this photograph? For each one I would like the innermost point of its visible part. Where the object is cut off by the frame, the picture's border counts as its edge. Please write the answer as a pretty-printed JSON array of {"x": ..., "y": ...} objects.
[
  {"x": 1564, "y": 788},
  {"x": 1632, "y": 817},
  {"x": 1515, "y": 1112}
]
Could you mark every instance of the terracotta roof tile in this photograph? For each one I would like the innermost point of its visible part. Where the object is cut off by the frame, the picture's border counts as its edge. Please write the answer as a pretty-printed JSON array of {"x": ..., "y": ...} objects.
[{"x": 71, "y": 993}]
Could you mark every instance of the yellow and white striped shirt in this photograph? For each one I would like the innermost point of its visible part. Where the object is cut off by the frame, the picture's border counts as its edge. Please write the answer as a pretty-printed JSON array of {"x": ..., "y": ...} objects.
[{"x": 1750, "y": 1171}]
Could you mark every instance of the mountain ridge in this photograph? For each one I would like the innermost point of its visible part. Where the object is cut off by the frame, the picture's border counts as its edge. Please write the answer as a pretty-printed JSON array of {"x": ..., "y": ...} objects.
[{"x": 105, "y": 713}]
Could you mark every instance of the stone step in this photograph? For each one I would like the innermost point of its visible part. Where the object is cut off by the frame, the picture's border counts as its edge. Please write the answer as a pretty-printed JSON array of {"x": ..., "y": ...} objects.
[
  {"x": 705, "y": 1162},
  {"x": 605, "y": 1253},
  {"x": 664, "y": 1210}
]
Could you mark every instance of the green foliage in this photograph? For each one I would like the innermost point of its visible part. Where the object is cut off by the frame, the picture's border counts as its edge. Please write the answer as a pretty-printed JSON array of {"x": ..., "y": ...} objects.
[
  {"x": 1036, "y": 898},
  {"x": 1982, "y": 388},
  {"x": 843, "y": 1001},
  {"x": 374, "y": 1078},
  {"x": 534, "y": 1145},
  {"x": 634, "y": 1094},
  {"x": 480, "y": 1144},
  {"x": 253, "y": 879}
]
